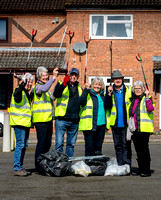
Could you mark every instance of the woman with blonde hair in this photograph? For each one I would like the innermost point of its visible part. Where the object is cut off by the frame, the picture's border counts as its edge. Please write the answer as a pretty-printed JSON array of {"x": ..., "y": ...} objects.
[{"x": 93, "y": 118}]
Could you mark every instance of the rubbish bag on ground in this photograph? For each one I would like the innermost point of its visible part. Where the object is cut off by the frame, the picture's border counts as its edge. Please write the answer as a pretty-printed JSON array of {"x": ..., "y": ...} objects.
[
  {"x": 98, "y": 165},
  {"x": 113, "y": 169},
  {"x": 54, "y": 163},
  {"x": 81, "y": 168}
]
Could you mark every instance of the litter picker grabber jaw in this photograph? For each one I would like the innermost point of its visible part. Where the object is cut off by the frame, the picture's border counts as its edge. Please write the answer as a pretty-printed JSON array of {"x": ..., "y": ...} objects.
[
  {"x": 140, "y": 60},
  {"x": 85, "y": 74},
  {"x": 60, "y": 47},
  {"x": 71, "y": 35}
]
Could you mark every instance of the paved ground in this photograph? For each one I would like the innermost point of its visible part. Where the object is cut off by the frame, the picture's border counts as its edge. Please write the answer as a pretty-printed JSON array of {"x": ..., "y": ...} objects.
[{"x": 37, "y": 187}]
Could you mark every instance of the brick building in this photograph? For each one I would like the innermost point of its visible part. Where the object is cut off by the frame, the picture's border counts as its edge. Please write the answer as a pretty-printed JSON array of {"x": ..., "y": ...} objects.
[{"x": 132, "y": 26}]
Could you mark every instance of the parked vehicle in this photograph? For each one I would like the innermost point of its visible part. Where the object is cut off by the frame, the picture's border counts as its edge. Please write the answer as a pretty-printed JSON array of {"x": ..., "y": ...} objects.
[{"x": 1, "y": 123}]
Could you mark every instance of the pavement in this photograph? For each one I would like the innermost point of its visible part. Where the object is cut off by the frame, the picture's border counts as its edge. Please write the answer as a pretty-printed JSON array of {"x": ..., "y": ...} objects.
[{"x": 37, "y": 187}]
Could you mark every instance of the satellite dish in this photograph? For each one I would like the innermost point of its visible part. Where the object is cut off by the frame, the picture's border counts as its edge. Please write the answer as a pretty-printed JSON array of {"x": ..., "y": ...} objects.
[{"x": 79, "y": 47}]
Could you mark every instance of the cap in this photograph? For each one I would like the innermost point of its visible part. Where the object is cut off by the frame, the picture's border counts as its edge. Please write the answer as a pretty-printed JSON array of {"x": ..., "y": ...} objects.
[
  {"x": 74, "y": 70},
  {"x": 117, "y": 74}
]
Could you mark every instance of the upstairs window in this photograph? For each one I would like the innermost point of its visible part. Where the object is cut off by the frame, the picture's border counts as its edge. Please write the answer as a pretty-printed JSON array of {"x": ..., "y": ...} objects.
[
  {"x": 111, "y": 26},
  {"x": 3, "y": 29}
]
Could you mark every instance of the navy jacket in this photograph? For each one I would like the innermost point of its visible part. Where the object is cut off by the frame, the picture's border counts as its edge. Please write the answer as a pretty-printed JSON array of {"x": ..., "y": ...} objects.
[
  {"x": 108, "y": 104},
  {"x": 83, "y": 101}
]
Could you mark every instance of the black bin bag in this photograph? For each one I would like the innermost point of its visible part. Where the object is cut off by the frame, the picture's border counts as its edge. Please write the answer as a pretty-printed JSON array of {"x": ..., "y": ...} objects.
[{"x": 54, "y": 163}]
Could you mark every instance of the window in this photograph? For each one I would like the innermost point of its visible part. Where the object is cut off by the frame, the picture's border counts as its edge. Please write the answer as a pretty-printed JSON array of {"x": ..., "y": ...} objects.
[
  {"x": 107, "y": 79},
  {"x": 111, "y": 26},
  {"x": 3, "y": 29}
]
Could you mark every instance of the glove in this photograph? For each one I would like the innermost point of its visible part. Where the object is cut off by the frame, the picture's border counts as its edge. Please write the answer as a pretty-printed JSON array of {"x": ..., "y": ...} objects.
[
  {"x": 66, "y": 80},
  {"x": 24, "y": 78}
]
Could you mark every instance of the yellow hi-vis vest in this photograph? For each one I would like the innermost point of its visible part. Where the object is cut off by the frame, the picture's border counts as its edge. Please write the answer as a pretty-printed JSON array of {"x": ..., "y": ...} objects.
[
  {"x": 62, "y": 102},
  {"x": 146, "y": 118},
  {"x": 20, "y": 113},
  {"x": 112, "y": 113},
  {"x": 42, "y": 107},
  {"x": 86, "y": 119}
]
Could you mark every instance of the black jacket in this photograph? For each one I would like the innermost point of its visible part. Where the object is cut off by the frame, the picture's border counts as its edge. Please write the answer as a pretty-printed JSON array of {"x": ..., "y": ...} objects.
[{"x": 73, "y": 107}]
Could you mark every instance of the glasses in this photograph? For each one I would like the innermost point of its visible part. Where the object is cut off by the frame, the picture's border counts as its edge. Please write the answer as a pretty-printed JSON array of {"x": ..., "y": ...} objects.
[{"x": 137, "y": 88}]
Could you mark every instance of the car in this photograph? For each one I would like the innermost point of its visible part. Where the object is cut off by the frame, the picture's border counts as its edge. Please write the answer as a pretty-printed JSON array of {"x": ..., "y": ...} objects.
[{"x": 1, "y": 123}]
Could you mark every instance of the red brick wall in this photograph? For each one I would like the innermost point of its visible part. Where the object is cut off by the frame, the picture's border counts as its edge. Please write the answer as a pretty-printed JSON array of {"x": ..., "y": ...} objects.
[{"x": 146, "y": 41}]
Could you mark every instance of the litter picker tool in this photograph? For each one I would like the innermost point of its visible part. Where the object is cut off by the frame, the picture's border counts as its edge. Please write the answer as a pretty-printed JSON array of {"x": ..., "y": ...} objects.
[
  {"x": 86, "y": 157},
  {"x": 32, "y": 39},
  {"x": 71, "y": 35},
  {"x": 28, "y": 58},
  {"x": 60, "y": 48},
  {"x": 111, "y": 62},
  {"x": 140, "y": 60},
  {"x": 85, "y": 74}
]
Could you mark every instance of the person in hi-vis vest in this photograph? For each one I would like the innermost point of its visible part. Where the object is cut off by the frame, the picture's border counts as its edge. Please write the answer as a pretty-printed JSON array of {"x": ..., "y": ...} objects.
[
  {"x": 67, "y": 111},
  {"x": 43, "y": 111},
  {"x": 118, "y": 96},
  {"x": 141, "y": 108},
  {"x": 20, "y": 120},
  {"x": 93, "y": 117}
]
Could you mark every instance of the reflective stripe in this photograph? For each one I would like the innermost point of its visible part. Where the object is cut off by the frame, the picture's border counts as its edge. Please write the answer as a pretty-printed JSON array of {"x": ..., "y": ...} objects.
[
  {"x": 113, "y": 105},
  {"x": 86, "y": 117},
  {"x": 61, "y": 104},
  {"x": 40, "y": 102},
  {"x": 42, "y": 110},
  {"x": 146, "y": 120},
  {"x": 20, "y": 114},
  {"x": 113, "y": 113},
  {"x": 64, "y": 96},
  {"x": 145, "y": 112},
  {"x": 87, "y": 107},
  {"x": 22, "y": 107}
]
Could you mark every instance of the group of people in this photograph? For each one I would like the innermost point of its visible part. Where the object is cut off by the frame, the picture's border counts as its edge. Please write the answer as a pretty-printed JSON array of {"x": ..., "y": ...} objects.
[{"x": 88, "y": 110}]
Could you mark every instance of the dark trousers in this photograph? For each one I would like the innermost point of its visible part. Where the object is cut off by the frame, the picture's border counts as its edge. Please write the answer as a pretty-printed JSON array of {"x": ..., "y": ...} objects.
[
  {"x": 122, "y": 147},
  {"x": 94, "y": 141},
  {"x": 141, "y": 144},
  {"x": 44, "y": 136}
]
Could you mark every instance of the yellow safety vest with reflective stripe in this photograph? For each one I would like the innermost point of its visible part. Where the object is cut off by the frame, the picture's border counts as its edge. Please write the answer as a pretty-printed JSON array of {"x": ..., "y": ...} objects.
[
  {"x": 42, "y": 107},
  {"x": 146, "y": 118},
  {"x": 112, "y": 113},
  {"x": 20, "y": 113},
  {"x": 86, "y": 118},
  {"x": 62, "y": 102}
]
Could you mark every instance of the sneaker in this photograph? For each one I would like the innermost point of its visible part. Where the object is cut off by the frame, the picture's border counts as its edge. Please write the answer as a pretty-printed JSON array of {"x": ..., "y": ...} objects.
[
  {"x": 29, "y": 173},
  {"x": 145, "y": 174},
  {"x": 21, "y": 172}
]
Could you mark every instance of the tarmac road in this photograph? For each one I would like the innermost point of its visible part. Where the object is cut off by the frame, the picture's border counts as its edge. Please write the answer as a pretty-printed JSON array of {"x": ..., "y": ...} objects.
[{"x": 37, "y": 187}]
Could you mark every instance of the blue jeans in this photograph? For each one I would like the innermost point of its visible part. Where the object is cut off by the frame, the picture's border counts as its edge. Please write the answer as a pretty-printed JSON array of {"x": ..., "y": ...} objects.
[
  {"x": 72, "y": 130},
  {"x": 22, "y": 135}
]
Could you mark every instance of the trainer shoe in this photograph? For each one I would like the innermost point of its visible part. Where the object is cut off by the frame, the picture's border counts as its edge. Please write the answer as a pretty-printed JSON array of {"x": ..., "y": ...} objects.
[
  {"x": 29, "y": 173},
  {"x": 21, "y": 172}
]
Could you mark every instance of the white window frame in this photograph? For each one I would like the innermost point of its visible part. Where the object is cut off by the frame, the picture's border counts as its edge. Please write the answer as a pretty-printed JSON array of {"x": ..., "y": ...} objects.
[
  {"x": 105, "y": 78},
  {"x": 112, "y": 21}
]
